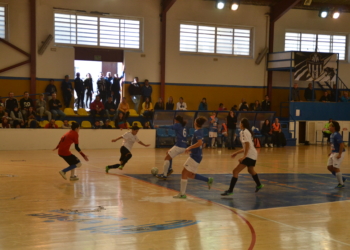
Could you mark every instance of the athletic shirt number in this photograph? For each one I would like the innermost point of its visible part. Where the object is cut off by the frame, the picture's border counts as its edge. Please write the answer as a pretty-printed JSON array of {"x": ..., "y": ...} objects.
[{"x": 184, "y": 132}]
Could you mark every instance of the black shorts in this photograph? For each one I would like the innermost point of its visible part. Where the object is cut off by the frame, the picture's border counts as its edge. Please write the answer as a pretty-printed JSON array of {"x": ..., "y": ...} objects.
[
  {"x": 123, "y": 152},
  {"x": 248, "y": 162},
  {"x": 71, "y": 159}
]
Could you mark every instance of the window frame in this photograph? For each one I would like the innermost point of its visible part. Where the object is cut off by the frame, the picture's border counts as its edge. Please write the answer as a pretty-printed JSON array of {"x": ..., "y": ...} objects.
[
  {"x": 6, "y": 20},
  {"x": 216, "y": 26},
  {"x": 79, "y": 13}
]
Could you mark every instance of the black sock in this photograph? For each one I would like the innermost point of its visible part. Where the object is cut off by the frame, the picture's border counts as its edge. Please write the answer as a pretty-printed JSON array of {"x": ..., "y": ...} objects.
[
  {"x": 114, "y": 166},
  {"x": 256, "y": 179},
  {"x": 233, "y": 183}
]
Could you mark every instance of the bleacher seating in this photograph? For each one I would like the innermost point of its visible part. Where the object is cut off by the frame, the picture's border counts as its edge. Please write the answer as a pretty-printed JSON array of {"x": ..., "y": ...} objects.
[
  {"x": 43, "y": 123},
  {"x": 69, "y": 112},
  {"x": 133, "y": 113},
  {"x": 82, "y": 112},
  {"x": 59, "y": 123},
  {"x": 86, "y": 124}
]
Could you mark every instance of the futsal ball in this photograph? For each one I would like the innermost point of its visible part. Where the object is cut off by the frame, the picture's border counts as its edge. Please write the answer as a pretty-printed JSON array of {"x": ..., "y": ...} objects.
[{"x": 154, "y": 171}]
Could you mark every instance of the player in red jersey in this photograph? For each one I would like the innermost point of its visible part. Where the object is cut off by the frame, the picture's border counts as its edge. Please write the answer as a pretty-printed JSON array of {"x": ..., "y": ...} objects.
[{"x": 64, "y": 152}]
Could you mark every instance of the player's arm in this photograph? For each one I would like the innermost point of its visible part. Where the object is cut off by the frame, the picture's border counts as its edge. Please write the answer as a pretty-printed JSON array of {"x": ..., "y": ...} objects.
[
  {"x": 341, "y": 148},
  {"x": 238, "y": 152},
  {"x": 196, "y": 145},
  {"x": 80, "y": 152},
  {"x": 120, "y": 137},
  {"x": 146, "y": 145},
  {"x": 57, "y": 146}
]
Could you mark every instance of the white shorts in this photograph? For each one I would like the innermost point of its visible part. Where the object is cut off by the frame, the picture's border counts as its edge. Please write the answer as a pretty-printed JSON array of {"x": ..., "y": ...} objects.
[
  {"x": 334, "y": 161},
  {"x": 175, "y": 151},
  {"x": 191, "y": 165},
  {"x": 213, "y": 134}
]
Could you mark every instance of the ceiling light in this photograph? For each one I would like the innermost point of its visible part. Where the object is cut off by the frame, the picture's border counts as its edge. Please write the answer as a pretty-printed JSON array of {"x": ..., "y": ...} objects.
[
  {"x": 336, "y": 15},
  {"x": 220, "y": 5},
  {"x": 323, "y": 13},
  {"x": 235, "y": 5}
]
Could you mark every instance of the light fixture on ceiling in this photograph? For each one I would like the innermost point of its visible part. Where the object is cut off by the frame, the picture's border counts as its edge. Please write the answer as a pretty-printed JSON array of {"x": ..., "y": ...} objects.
[
  {"x": 323, "y": 13},
  {"x": 220, "y": 4},
  {"x": 307, "y": 2},
  {"x": 336, "y": 15},
  {"x": 235, "y": 5}
]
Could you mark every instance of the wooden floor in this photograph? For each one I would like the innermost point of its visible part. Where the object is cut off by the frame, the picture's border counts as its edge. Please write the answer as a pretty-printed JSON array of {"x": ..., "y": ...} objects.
[{"x": 40, "y": 210}]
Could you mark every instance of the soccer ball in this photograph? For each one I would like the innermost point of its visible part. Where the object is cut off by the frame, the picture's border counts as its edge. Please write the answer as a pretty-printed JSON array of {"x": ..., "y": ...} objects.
[{"x": 154, "y": 171}]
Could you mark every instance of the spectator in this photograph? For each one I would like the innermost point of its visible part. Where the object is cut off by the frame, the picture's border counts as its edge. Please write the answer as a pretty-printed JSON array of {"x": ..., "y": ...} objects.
[
  {"x": 1, "y": 102},
  {"x": 124, "y": 108},
  {"x": 5, "y": 123},
  {"x": 135, "y": 92},
  {"x": 276, "y": 130},
  {"x": 257, "y": 106},
  {"x": 147, "y": 125},
  {"x": 240, "y": 105},
  {"x": 11, "y": 103},
  {"x": 2, "y": 113},
  {"x": 106, "y": 125},
  {"x": 231, "y": 122},
  {"x": 345, "y": 97},
  {"x": 50, "y": 89},
  {"x": 308, "y": 93},
  {"x": 89, "y": 90},
  {"x": 213, "y": 129},
  {"x": 234, "y": 108},
  {"x": 67, "y": 91},
  {"x": 170, "y": 104},
  {"x": 52, "y": 123},
  {"x": 147, "y": 109},
  {"x": 120, "y": 122},
  {"x": 41, "y": 107},
  {"x": 244, "y": 107},
  {"x": 181, "y": 105},
  {"x": 97, "y": 125},
  {"x": 101, "y": 86},
  {"x": 266, "y": 132},
  {"x": 25, "y": 103},
  {"x": 325, "y": 97},
  {"x": 334, "y": 93},
  {"x": 16, "y": 117},
  {"x": 29, "y": 113},
  {"x": 222, "y": 107},
  {"x": 66, "y": 124},
  {"x": 222, "y": 139},
  {"x": 32, "y": 122},
  {"x": 108, "y": 82},
  {"x": 266, "y": 104},
  {"x": 116, "y": 88},
  {"x": 147, "y": 91},
  {"x": 111, "y": 108},
  {"x": 97, "y": 108},
  {"x": 295, "y": 93},
  {"x": 159, "y": 105},
  {"x": 79, "y": 89},
  {"x": 7, "y": 116},
  {"x": 203, "y": 105},
  {"x": 326, "y": 132},
  {"x": 54, "y": 106}
]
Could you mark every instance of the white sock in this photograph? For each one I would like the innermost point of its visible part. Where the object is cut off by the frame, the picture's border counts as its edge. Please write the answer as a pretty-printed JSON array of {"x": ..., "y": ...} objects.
[
  {"x": 212, "y": 142},
  {"x": 339, "y": 177},
  {"x": 166, "y": 167},
  {"x": 183, "y": 186},
  {"x": 72, "y": 172}
]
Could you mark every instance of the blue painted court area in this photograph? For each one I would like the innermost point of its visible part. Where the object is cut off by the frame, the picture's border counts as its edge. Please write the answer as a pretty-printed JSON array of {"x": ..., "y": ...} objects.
[{"x": 281, "y": 190}]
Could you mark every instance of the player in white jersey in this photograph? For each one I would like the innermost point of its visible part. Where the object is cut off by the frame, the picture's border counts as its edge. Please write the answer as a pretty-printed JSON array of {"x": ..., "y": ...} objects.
[
  {"x": 248, "y": 160},
  {"x": 125, "y": 151}
]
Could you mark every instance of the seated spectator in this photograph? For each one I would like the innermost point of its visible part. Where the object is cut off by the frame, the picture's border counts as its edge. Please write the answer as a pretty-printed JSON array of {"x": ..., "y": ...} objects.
[
  {"x": 308, "y": 93},
  {"x": 170, "y": 104},
  {"x": 242, "y": 101},
  {"x": 29, "y": 113},
  {"x": 266, "y": 104},
  {"x": 25, "y": 103},
  {"x": 41, "y": 107},
  {"x": 234, "y": 108},
  {"x": 1, "y": 102},
  {"x": 106, "y": 125},
  {"x": 50, "y": 89},
  {"x": 7, "y": 116},
  {"x": 181, "y": 105},
  {"x": 244, "y": 107},
  {"x": 16, "y": 117},
  {"x": 326, "y": 97},
  {"x": 5, "y": 123},
  {"x": 203, "y": 105},
  {"x": 52, "y": 123},
  {"x": 54, "y": 106},
  {"x": 147, "y": 125},
  {"x": 120, "y": 122},
  {"x": 325, "y": 130},
  {"x": 22, "y": 124},
  {"x": 111, "y": 108},
  {"x": 147, "y": 109},
  {"x": 221, "y": 107},
  {"x": 295, "y": 93},
  {"x": 2, "y": 113},
  {"x": 257, "y": 106},
  {"x": 31, "y": 122},
  {"x": 124, "y": 108},
  {"x": 97, "y": 108},
  {"x": 334, "y": 93},
  {"x": 266, "y": 132},
  {"x": 159, "y": 105},
  {"x": 276, "y": 130},
  {"x": 213, "y": 129},
  {"x": 66, "y": 124},
  {"x": 11, "y": 102},
  {"x": 97, "y": 125},
  {"x": 345, "y": 97}
]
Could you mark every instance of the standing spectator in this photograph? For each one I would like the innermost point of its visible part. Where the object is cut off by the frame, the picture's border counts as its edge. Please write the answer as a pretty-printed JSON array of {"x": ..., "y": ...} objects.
[
  {"x": 147, "y": 109},
  {"x": 25, "y": 103},
  {"x": 135, "y": 92},
  {"x": 325, "y": 97},
  {"x": 124, "y": 108},
  {"x": 67, "y": 91},
  {"x": 11, "y": 103},
  {"x": 181, "y": 105},
  {"x": 257, "y": 106},
  {"x": 79, "y": 89},
  {"x": 266, "y": 104},
  {"x": 295, "y": 93},
  {"x": 51, "y": 124},
  {"x": 159, "y": 105},
  {"x": 66, "y": 124},
  {"x": 50, "y": 89},
  {"x": 147, "y": 91},
  {"x": 89, "y": 90},
  {"x": 326, "y": 132},
  {"x": 101, "y": 86},
  {"x": 276, "y": 130},
  {"x": 16, "y": 117},
  {"x": 106, "y": 125},
  {"x": 97, "y": 108},
  {"x": 120, "y": 122},
  {"x": 308, "y": 93},
  {"x": 54, "y": 106},
  {"x": 170, "y": 104},
  {"x": 244, "y": 107},
  {"x": 5, "y": 123},
  {"x": 266, "y": 133},
  {"x": 108, "y": 82},
  {"x": 345, "y": 97},
  {"x": 213, "y": 129},
  {"x": 222, "y": 107},
  {"x": 111, "y": 108},
  {"x": 41, "y": 107},
  {"x": 231, "y": 126},
  {"x": 203, "y": 106},
  {"x": 116, "y": 88}
]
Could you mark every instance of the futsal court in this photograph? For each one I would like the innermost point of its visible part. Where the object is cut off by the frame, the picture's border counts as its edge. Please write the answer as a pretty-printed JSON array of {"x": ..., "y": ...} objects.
[{"x": 298, "y": 208}]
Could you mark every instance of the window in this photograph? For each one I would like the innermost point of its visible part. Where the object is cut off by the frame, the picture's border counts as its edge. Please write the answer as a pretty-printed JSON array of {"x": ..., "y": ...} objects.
[
  {"x": 215, "y": 40},
  {"x": 71, "y": 28},
  {"x": 3, "y": 22},
  {"x": 309, "y": 42}
]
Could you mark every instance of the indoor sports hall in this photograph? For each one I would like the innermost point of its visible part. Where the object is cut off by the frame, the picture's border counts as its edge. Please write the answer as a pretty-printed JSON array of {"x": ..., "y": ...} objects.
[{"x": 280, "y": 64}]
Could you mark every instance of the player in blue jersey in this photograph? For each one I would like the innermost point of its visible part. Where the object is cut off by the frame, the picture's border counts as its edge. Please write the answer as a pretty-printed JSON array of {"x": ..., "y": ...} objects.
[
  {"x": 179, "y": 148},
  {"x": 191, "y": 164},
  {"x": 336, "y": 155}
]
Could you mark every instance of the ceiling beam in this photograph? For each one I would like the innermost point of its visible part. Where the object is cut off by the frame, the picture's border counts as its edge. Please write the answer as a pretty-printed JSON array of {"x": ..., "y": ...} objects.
[{"x": 282, "y": 7}]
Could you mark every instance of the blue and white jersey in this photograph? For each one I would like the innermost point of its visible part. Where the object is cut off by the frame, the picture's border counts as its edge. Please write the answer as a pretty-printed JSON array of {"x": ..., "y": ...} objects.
[
  {"x": 336, "y": 139},
  {"x": 213, "y": 127},
  {"x": 181, "y": 134},
  {"x": 196, "y": 153}
]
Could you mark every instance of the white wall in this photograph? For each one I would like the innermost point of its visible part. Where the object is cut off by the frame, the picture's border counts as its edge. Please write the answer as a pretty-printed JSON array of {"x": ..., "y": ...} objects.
[{"x": 36, "y": 139}]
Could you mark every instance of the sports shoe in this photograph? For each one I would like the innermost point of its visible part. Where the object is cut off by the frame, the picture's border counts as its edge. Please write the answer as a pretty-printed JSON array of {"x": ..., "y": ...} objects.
[
  {"x": 180, "y": 196},
  {"x": 271, "y": 145},
  {"x": 107, "y": 169},
  {"x": 210, "y": 182},
  {"x": 266, "y": 146},
  {"x": 226, "y": 193},
  {"x": 120, "y": 167},
  {"x": 74, "y": 178},
  {"x": 63, "y": 174},
  {"x": 340, "y": 186},
  {"x": 258, "y": 188},
  {"x": 161, "y": 176},
  {"x": 170, "y": 172}
]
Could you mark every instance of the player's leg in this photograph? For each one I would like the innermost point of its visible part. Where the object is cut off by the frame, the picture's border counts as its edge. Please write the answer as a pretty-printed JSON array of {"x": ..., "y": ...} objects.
[
  {"x": 234, "y": 179},
  {"x": 73, "y": 163},
  {"x": 334, "y": 167},
  {"x": 172, "y": 153},
  {"x": 170, "y": 171},
  {"x": 122, "y": 153},
  {"x": 259, "y": 186}
]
